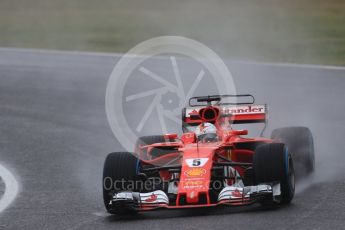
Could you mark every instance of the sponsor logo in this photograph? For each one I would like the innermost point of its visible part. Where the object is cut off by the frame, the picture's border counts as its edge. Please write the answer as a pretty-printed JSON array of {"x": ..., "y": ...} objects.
[
  {"x": 193, "y": 184},
  {"x": 192, "y": 195},
  {"x": 251, "y": 109},
  {"x": 166, "y": 101},
  {"x": 236, "y": 194},
  {"x": 152, "y": 198},
  {"x": 193, "y": 112},
  {"x": 195, "y": 172},
  {"x": 235, "y": 110},
  {"x": 196, "y": 162}
]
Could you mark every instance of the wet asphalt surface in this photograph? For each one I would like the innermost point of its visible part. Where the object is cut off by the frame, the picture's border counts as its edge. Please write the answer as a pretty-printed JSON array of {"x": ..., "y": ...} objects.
[{"x": 54, "y": 136}]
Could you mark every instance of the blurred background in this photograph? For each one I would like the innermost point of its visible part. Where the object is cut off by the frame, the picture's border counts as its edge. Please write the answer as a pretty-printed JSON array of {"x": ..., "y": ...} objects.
[{"x": 294, "y": 31}]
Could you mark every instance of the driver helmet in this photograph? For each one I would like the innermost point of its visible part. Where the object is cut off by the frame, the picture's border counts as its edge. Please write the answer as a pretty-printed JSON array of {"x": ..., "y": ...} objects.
[{"x": 206, "y": 132}]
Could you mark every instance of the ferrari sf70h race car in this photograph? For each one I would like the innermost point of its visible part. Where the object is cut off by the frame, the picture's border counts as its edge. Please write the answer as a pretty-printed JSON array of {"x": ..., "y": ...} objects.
[{"x": 167, "y": 171}]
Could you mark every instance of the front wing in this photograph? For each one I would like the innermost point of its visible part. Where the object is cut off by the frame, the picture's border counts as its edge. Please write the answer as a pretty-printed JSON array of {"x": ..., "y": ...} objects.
[{"x": 230, "y": 195}]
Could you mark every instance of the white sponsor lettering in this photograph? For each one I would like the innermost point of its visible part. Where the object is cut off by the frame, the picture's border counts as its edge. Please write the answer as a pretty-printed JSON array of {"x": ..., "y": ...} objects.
[{"x": 235, "y": 110}]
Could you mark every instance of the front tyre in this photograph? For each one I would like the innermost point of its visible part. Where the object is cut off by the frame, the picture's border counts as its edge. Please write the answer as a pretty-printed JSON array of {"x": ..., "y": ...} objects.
[
  {"x": 120, "y": 173},
  {"x": 273, "y": 163}
]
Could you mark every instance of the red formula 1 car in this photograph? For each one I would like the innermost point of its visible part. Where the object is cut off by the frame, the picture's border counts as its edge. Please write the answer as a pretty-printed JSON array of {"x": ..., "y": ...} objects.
[{"x": 174, "y": 172}]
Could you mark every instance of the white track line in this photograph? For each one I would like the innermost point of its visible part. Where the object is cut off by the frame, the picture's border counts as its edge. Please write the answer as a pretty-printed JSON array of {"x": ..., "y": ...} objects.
[
  {"x": 64, "y": 52},
  {"x": 100, "y": 54},
  {"x": 11, "y": 189},
  {"x": 294, "y": 65}
]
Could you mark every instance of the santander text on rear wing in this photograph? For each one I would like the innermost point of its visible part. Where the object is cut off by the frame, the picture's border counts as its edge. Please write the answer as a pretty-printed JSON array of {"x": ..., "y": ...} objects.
[
  {"x": 238, "y": 114},
  {"x": 238, "y": 108},
  {"x": 246, "y": 113}
]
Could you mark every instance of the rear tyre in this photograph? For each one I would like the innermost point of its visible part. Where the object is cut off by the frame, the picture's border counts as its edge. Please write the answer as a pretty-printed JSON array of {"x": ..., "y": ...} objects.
[
  {"x": 301, "y": 146},
  {"x": 273, "y": 163},
  {"x": 120, "y": 173}
]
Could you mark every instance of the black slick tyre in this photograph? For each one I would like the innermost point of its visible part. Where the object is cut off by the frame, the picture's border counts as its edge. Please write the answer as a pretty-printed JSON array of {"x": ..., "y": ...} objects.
[
  {"x": 273, "y": 163},
  {"x": 120, "y": 173}
]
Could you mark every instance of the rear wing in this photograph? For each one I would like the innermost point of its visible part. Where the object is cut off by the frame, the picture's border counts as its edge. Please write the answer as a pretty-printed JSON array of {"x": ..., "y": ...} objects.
[
  {"x": 246, "y": 113},
  {"x": 238, "y": 114}
]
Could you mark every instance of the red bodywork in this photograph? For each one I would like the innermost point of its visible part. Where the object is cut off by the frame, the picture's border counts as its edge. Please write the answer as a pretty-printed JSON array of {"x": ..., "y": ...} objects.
[{"x": 195, "y": 177}]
